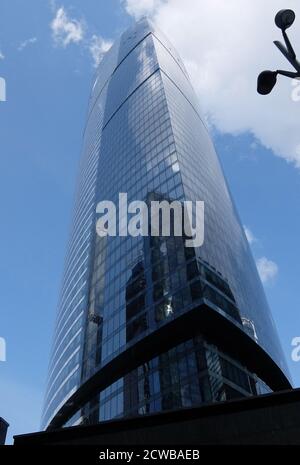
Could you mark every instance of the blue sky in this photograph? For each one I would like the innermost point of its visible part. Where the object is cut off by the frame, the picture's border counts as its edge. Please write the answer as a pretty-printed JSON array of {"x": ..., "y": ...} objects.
[{"x": 41, "y": 124}]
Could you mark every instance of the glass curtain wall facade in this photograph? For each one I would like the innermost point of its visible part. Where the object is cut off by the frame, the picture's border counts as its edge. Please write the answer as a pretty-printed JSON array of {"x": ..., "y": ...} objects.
[{"x": 145, "y": 137}]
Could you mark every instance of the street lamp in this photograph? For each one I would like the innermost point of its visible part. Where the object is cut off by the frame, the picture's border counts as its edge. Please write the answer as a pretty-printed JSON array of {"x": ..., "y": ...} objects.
[{"x": 267, "y": 79}]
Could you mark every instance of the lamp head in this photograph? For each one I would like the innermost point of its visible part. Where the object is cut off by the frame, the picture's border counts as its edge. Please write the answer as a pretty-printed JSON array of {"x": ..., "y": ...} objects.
[
  {"x": 284, "y": 19},
  {"x": 266, "y": 82}
]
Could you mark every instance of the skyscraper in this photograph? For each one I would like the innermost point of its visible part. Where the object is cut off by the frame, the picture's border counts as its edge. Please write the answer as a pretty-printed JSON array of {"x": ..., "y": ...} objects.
[{"x": 146, "y": 324}]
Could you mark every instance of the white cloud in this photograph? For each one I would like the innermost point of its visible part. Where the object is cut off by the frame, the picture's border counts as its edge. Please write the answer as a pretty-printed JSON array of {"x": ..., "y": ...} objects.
[
  {"x": 225, "y": 45},
  {"x": 1, "y": 56},
  {"x": 267, "y": 269},
  {"x": 138, "y": 8},
  {"x": 250, "y": 236},
  {"x": 66, "y": 30},
  {"x": 98, "y": 47},
  {"x": 27, "y": 42}
]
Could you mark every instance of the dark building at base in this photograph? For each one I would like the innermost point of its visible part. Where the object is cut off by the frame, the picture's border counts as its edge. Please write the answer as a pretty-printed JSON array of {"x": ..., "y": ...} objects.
[
  {"x": 272, "y": 419},
  {"x": 3, "y": 430}
]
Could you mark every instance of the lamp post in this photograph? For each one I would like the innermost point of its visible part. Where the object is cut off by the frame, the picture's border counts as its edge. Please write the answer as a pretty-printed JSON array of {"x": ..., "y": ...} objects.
[{"x": 267, "y": 79}]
